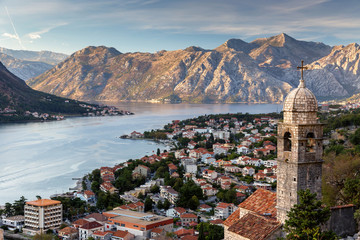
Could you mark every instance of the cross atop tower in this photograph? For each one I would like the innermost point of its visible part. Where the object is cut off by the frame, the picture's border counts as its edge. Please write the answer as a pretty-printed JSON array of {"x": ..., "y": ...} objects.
[{"x": 302, "y": 68}]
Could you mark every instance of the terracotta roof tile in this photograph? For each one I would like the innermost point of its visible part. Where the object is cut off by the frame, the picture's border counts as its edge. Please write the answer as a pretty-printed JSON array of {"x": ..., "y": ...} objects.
[
  {"x": 254, "y": 227},
  {"x": 232, "y": 218},
  {"x": 80, "y": 222},
  {"x": 188, "y": 215},
  {"x": 183, "y": 232},
  {"x": 261, "y": 201},
  {"x": 120, "y": 234},
  {"x": 43, "y": 202},
  {"x": 217, "y": 221},
  {"x": 97, "y": 217},
  {"x": 91, "y": 225}
]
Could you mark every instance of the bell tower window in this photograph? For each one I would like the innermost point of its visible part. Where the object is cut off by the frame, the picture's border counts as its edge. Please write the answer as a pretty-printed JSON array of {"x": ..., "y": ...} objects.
[
  {"x": 287, "y": 141},
  {"x": 310, "y": 142}
]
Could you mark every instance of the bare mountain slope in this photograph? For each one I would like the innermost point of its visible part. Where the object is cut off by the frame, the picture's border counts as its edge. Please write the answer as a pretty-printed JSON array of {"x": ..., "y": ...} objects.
[{"x": 261, "y": 71}]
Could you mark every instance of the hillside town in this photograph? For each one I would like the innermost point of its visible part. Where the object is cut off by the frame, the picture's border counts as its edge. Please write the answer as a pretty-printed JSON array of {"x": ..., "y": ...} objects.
[
  {"x": 216, "y": 163},
  {"x": 219, "y": 179}
]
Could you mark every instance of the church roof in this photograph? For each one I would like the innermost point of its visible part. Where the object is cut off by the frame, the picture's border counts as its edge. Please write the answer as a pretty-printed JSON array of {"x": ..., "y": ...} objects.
[
  {"x": 254, "y": 227},
  {"x": 262, "y": 202},
  {"x": 301, "y": 99}
]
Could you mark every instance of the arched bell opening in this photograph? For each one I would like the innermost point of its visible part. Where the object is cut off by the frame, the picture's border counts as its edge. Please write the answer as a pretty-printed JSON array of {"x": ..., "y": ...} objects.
[
  {"x": 287, "y": 141},
  {"x": 310, "y": 142}
]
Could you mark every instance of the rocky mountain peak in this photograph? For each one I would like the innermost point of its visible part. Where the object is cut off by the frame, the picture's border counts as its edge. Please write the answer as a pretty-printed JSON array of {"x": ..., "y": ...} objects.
[
  {"x": 194, "y": 49},
  {"x": 276, "y": 41},
  {"x": 234, "y": 45},
  {"x": 99, "y": 50}
]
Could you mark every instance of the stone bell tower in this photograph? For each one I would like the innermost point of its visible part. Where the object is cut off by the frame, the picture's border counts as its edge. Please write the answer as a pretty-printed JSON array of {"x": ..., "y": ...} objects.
[{"x": 300, "y": 149}]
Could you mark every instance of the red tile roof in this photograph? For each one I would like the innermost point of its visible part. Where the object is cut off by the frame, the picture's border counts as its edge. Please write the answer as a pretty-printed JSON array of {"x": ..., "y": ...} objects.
[
  {"x": 261, "y": 201},
  {"x": 188, "y": 215},
  {"x": 217, "y": 221},
  {"x": 120, "y": 234},
  {"x": 254, "y": 227},
  {"x": 223, "y": 205},
  {"x": 180, "y": 210},
  {"x": 43, "y": 202},
  {"x": 97, "y": 217},
  {"x": 234, "y": 217},
  {"x": 89, "y": 193},
  {"x": 91, "y": 225},
  {"x": 204, "y": 206},
  {"x": 184, "y": 232},
  {"x": 80, "y": 222}
]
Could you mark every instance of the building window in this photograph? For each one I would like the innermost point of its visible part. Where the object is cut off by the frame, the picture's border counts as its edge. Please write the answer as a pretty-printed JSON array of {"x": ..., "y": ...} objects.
[
  {"x": 287, "y": 141},
  {"x": 310, "y": 143}
]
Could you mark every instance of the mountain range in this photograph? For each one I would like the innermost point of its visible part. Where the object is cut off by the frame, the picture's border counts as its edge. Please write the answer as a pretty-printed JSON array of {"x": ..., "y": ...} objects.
[
  {"x": 263, "y": 70},
  {"x": 28, "y": 64}
]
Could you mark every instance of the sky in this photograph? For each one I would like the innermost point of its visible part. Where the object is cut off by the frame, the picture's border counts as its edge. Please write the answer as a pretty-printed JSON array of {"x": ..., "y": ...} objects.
[{"x": 67, "y": 26}]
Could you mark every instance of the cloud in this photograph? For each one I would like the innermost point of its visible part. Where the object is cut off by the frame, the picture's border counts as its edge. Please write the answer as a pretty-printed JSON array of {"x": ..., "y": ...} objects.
[
  {"x": 34, "y": 35},
  {"x": 9, "y": 36},
  {"x": 37, "y": 35}
]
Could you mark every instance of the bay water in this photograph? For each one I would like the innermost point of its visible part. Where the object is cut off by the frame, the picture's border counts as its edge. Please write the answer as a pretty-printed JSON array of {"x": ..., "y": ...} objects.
[{"x": 41, "y": 158}]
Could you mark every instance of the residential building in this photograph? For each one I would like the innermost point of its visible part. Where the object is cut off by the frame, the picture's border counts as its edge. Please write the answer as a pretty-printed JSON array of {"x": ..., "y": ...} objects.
[
  {"x": 41, "y": 215},
  {"x": 209, "y": 174},
  {"x": 14, "y": 222},
  {"x": 175, "y": 212},
  {"x": 248, "y": 171},
  {"x": 141, "y": 171},
  {"x": 139, "y": 224},
  {"x": 138, "y": 207},
  {"x": 205, "y": 208},
  {"x": 108, "y": 187},
  {"x": 169, "y": 193},
  {"x": 224, "y": 210},
  {"x": 100, "y": 235},
  {"x": 191, "y": 168},
  {"x": 188, "y": 218},
  {"x": 242, "y": 149},
  {"x": 68, "y": 233},
  {"x": 210, "y": 191},
  {"x": 88, "y": 229},
  {"x": 89, "y": 196}
]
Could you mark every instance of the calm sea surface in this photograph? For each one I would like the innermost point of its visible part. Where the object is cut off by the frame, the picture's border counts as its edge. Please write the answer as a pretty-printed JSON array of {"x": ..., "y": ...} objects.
[{"x": 42, "y": 158}]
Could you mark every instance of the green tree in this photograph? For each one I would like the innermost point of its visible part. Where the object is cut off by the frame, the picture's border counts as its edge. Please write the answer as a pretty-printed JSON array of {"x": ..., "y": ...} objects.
[
  {"x": 201, "y": 232},
  {"x": 355, "y": 138},
  {"x": 306, "y": 218},
  {"x": 148, "y": 204},
  {"x": 193, "y": 203},
  {"x": 160, "y": 205},
  {"x": 167, "y": 204},
  {"x": 155, "y": 189},
  {"x": 187, "y": 191}
]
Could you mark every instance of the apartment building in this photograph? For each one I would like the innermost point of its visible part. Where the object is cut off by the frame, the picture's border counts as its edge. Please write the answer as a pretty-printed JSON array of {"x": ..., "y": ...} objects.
[{"x": 41, "y": 215}]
